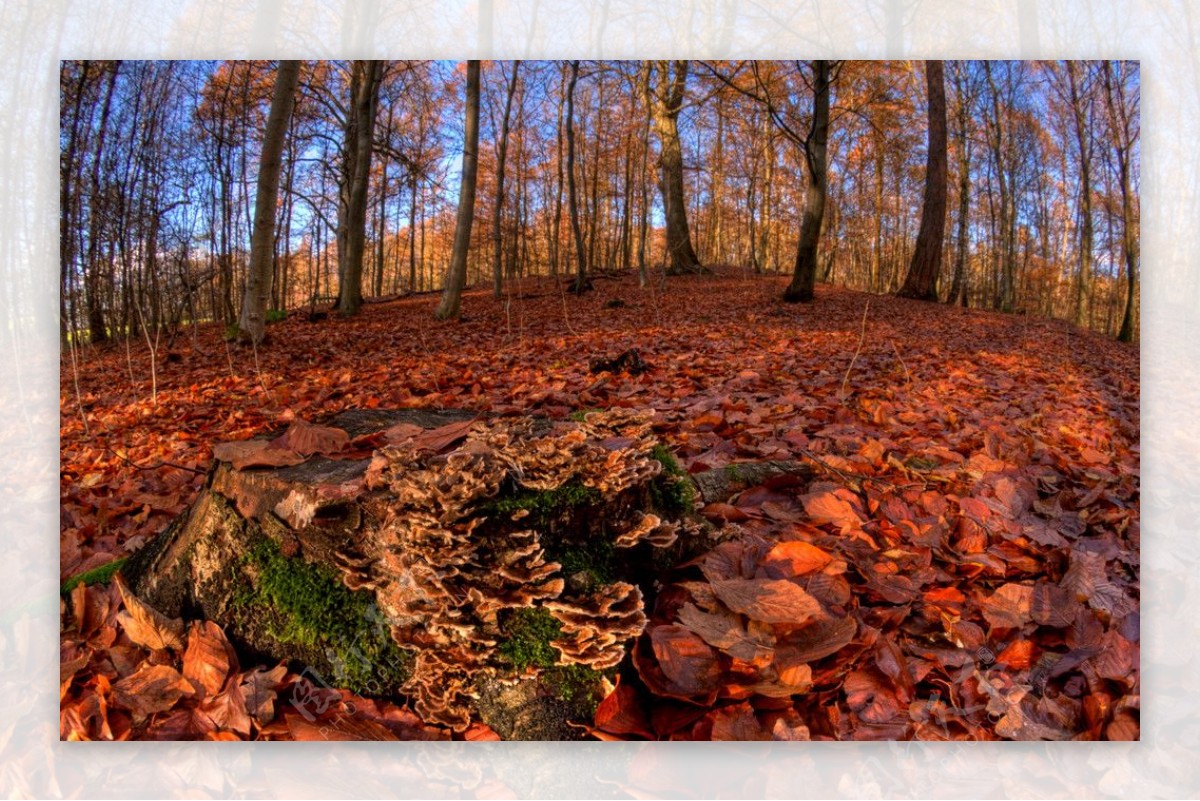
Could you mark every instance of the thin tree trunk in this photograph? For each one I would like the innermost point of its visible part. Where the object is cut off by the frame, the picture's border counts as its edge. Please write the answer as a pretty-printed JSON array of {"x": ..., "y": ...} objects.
[
  {"x": 252, "y": 324},
  {"x": 364, "y": 83},
  {"x": 497, "y": 210},
  {"x": 581, "y": 268},
  {"x": 926, "y": 263},
  {"x": 456, "y": 275},
  {"x": 800, "y": 290}
]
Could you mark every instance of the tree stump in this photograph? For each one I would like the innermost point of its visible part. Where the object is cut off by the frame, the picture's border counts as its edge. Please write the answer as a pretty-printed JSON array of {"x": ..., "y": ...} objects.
[{"x": 493, "y": 570}]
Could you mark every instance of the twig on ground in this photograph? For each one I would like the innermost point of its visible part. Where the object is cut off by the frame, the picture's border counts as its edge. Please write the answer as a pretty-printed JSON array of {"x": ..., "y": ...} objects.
[
  {"x": 896, "y": 350},
  {"x": 862, "y": 335}
]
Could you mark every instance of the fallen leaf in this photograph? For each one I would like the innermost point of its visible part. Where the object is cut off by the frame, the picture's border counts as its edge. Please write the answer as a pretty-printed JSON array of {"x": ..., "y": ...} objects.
[
  {"x": 768, "y": 601},
  {"x": 147, "y": 626},
  {"x": 154, "y": 688}
]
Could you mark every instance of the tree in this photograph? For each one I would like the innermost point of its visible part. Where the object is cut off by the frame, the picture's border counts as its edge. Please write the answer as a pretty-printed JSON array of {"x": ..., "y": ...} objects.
[
  {"x": 252, "y": 324},
  {"x": 800, "y": 290},
  {"x": 667, "y": 95},
  {"x": 497, "y": 209},
  {"x": 965, "y": 91},
  {"x": 456, "y": 275},
  {"x": 580, "y": 285},
  {"x": 1123, "y": 129},
  {"x": 365, "y": 77},
  {"x": 926, "y": 262},
  {"x": 1080, "y": 107}
]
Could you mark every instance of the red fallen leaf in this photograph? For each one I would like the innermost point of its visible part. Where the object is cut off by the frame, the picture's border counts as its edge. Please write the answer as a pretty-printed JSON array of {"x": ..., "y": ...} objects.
[
  {"x": 441, "y": 438},
  {"x": 401, "y": 433},
  {"x": 480, "y": 732},
  {"x": 768, "y": 601},
  {"x": 206, "y": 662},
  {"x": 724, "y": 512},
  {"x": 815, "y": 641},
  {"x": 869, "y": 697},
  {"x": 688, "y": 664},
  {"x": 794, "y": 558},
  {"x": 1009, "y": 607},
  {"x": 228, "y": 711},
  {"x": 147, "y": 626},
  {"x": 1017, "y": 655},
  {"x": 68, "y": 667},
  {"x": 223, "y": 736},
  {"x": 258, "y": 688},
  {"x": 1124, "y": 726},
  {"x": 948, "y": 598},
  {"x": 306, "y": 439},
  {"x": 724, "y": 630},
  {"x": 736, "y": 723},
  {"x": 828, "y": 507},
  {"x": 336, "y": 728},
  {"x": 154, "y": 688},
  {"x": 621, "y": 712},
  {"x": 255, "y": 453}
]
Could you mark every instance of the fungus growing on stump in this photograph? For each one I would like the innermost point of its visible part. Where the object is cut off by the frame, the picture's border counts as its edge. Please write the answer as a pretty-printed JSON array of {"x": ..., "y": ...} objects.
[
  {"x": 468, "y": 564},
  {"x": 465, "y": 539}
]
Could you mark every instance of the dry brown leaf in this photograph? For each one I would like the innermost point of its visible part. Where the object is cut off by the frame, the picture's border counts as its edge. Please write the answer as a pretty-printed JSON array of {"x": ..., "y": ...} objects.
[
  {"x": 206, "y": 662},
  {"x": 154, "y": 688},
  {"x": 768, "y": 601},
  {"x": 147, "y": 626}
]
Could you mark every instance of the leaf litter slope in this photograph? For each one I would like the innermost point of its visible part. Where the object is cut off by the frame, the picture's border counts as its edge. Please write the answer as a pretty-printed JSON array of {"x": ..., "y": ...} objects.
[{"x": 964, "y": 566}]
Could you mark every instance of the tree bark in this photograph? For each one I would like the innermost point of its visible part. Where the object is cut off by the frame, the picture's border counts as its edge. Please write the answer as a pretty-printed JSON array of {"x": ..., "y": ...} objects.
[
  {"x": 364, "y": 92},
  {"x": 1083, "y": 281},
  {"x": 581, "y": 267},
  {"x": 804, "y": 275},
  {"x": 498, "y": 208},
  {"x": 668, "y": 101},
  {"x": 456, "y": 275},
  {"x": 258, "y": 282},
  {"x": 926, "y": 264}
]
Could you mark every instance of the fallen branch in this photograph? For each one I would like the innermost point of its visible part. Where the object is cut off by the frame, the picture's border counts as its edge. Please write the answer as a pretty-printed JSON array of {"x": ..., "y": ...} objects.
[{"x": 862, "y": 334}]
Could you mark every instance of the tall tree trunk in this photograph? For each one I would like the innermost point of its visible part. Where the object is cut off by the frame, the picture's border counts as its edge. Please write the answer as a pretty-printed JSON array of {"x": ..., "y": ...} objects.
[
  {"x": 1005, "y": 297},
  {"x": 804, "y": 275},
  {"x": 958, "y": 287},
  {"x": 498, "y": 208},
  {"x": 668, "y": 101},
  {"x": 581, "y": 268},
  {"x": 926, "y": 263},
  {"x": 1123, "y": 136},
  {"x": 252, "y": 324},
  {"x": 364, "y": 92},
  {"x": 97, "y": 327},
  {"x": 1083, "y": 281},
  {"x": 456, "y": 275}
]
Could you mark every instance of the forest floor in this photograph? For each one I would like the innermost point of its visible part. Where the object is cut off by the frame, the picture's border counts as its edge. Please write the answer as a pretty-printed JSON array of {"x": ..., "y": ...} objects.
[{"x": 976, "y": 512}]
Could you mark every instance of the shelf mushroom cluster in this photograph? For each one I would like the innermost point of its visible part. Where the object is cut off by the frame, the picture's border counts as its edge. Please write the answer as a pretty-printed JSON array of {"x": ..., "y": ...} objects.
[{"x": 444, "y": 569}]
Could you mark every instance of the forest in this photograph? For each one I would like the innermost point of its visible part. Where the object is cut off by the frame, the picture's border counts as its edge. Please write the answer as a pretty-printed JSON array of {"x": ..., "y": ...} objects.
[{"x": 720, "y": 400}]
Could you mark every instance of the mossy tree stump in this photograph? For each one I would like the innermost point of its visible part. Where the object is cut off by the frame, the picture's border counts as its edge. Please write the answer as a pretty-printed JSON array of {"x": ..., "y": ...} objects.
[{"x": 493, "y": 570}]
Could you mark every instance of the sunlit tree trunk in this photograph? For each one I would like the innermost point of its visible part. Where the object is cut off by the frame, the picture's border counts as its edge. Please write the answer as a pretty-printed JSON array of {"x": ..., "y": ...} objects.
[
  {"x": 804, "y": 275},
  {"x": 581, "y": 267},
  {"x": 456, "y": 275},
  {"x": 958, "y": 286},
  {"x": 364, "y": 92},
  {"x": 1083, "y": 281},
  {"x": 926, "y": 264},
  {"x": 668, "y": 101},
  {"x": 252, "y": 324},
  {"x": 497, "y": 209}
]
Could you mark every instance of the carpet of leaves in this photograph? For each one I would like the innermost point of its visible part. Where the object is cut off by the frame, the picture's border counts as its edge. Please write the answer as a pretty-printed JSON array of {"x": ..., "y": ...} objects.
[{"x": 965, "y": 566}]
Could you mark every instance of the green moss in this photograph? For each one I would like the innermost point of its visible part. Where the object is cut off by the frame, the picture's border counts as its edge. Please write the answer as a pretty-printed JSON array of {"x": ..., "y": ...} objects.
[
  {"x": 574, "y": 684},
  {"x": 545, "y": 505},
  {"x": 593, "y": 558},
  {"x": 97, "y": 575},
  {"x": 735, "y": 472},
  {"x": 672, "y": 490},
  {"x": 276, "y": 316},
  {"x": 579, "y": 414},
  {"x": 308, "y": 605},
  {"x": 526, "y": 638}
]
